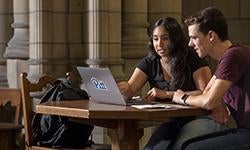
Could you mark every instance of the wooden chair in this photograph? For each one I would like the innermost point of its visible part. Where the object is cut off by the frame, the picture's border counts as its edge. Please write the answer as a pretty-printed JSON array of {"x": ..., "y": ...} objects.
[
  {"x": 27, "y": 87},
  {"x": 10, "y": 121}
]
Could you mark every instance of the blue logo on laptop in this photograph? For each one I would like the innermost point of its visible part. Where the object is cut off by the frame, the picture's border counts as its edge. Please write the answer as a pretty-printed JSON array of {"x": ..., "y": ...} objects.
[{"x": 98, "y": 84}]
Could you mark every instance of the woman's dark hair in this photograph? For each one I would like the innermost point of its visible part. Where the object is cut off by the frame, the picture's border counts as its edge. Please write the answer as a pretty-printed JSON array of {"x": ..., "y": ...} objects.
[
  {"x": 177, "y": 51},
  {"x": 210, "y": 19}
]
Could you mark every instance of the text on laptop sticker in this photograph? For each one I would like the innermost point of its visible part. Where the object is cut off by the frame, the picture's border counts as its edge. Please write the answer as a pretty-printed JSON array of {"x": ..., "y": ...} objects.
[{"x": 98, "y": 84}]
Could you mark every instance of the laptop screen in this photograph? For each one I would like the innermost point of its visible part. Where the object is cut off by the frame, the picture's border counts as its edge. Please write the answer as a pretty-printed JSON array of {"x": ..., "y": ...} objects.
[{"x": 101, "y": 85}]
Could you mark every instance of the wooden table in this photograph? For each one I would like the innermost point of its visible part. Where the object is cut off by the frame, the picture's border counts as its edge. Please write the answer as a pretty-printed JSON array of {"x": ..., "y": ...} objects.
[{"x": 123, "y": 122}]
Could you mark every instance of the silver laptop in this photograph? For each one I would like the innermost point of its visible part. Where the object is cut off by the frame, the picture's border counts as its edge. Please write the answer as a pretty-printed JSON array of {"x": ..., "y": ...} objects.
[{"x": 102, "y": 87}]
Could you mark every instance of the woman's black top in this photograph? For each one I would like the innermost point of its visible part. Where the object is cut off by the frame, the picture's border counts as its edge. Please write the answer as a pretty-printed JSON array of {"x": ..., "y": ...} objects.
[{"x": 151, "y": 66}]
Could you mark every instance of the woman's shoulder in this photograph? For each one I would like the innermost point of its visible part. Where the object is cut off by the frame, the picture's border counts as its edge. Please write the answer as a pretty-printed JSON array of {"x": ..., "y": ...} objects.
[
  {"x": 150, "y": 57},
  {"x": 148, "y": 61}
]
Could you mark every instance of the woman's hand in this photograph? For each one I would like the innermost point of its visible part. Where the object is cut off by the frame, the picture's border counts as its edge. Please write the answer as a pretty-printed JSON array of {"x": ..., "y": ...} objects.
[
  {"x": 177, "y": 97},
  {"x": 155, "y": 93},
  {"x": 124, "y": 89},
  {"x": 123, "y": 86}
]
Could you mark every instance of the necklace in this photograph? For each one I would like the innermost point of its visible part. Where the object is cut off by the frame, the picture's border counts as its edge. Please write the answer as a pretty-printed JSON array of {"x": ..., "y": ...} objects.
[{"x": 166, "y": 70}]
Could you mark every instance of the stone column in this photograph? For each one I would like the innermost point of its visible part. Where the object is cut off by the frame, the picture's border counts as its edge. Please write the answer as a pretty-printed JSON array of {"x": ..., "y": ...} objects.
[
  {"x": 134, "y": 38},
  {"x": 18, "y": 47},
  {"x": 104, "y": 35},
  {"x": 6, "y": 19},
  {"x": 77, "y": 32},
  {"x": 17, "y": 51},
  {"x": 103, "y": 40},
  {"x": 48, "y": 40}
]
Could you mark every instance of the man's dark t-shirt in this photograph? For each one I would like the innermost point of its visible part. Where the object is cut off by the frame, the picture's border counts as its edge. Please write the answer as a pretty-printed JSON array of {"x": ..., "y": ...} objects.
[{"x": 234, "y": 66}]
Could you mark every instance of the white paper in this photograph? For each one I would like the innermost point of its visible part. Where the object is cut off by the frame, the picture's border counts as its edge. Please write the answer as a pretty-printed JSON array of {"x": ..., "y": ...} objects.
[{"x": 152, "y": 106}]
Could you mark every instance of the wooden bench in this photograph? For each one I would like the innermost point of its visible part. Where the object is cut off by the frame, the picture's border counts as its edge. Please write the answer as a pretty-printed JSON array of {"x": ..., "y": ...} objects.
[
  {"x": 8, "y": 135},
  {"x": 10, "y": 121}
]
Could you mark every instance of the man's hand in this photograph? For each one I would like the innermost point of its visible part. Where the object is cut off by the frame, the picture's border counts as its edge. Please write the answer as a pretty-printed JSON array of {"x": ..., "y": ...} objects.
[{"x": 221, "y": 114}]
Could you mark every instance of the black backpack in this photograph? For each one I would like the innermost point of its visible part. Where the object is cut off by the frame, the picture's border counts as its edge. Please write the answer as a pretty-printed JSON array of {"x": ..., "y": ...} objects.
[{"x": 57, "y": 131}]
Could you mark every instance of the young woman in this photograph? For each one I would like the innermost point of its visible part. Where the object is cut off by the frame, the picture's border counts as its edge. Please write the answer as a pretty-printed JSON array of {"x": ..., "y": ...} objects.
[{"x": 170, "y": 65}]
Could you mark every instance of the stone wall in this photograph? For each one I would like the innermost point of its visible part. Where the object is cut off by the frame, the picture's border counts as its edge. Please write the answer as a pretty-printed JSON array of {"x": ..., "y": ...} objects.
[
  {"x": 52, "y": 36},
  {"x": 6, "y": 18}
]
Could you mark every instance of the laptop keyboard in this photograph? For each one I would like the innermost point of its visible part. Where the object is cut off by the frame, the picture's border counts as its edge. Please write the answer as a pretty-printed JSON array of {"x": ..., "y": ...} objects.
[{"x": 139, "y": 102}]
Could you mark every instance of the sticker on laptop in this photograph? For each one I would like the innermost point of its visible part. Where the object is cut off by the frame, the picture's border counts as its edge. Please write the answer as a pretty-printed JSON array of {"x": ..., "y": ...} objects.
[{"x": 98, "y": 84}]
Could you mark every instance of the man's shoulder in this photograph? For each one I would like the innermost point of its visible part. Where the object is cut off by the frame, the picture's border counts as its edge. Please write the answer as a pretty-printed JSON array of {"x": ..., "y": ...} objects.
[
  {"x": 240, "y": 47},
  {"x": 238, "y": 50}
]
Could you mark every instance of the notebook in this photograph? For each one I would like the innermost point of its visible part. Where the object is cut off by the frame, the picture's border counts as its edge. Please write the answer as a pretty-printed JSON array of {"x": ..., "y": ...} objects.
[{"x": 102, "y": 87}]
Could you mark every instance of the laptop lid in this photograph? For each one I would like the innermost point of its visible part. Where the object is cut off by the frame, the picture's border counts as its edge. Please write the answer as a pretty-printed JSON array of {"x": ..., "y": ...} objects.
[{"x": 101, "y": 85}]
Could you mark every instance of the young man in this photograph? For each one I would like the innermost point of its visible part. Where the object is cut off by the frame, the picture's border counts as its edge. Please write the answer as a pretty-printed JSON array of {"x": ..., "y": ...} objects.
[{"x": 228, "y": 91}]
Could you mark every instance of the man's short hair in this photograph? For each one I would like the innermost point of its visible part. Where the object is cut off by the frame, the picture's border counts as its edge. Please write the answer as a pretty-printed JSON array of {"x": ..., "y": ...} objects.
[{"x": 210, "y": 19}]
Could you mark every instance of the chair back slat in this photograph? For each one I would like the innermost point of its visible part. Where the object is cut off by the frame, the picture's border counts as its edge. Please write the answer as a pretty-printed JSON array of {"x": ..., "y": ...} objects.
[{"x": 26, "y": 88}]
